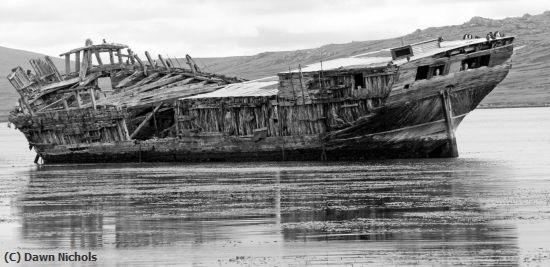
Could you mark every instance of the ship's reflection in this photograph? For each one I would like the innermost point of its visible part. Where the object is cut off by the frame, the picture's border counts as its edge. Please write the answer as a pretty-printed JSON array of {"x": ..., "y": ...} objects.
[{"x": 431, "y": 206}]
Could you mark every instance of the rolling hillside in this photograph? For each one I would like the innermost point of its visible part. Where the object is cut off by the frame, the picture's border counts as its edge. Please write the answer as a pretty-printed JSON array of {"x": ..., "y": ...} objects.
[{"x": 526, "y": 85}]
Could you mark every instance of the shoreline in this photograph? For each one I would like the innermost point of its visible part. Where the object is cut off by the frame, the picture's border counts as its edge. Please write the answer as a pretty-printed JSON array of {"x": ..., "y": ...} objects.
[
  {"x": 513, "y": 106},
  {"x": 5, "y": 120}
]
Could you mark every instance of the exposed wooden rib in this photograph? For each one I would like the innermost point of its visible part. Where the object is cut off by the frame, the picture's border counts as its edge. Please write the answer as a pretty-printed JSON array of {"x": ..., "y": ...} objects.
[
  {"x": 140, "y": 62},
  {"x": 151, "y": 62},
  {"x": 163, "y": 62}
]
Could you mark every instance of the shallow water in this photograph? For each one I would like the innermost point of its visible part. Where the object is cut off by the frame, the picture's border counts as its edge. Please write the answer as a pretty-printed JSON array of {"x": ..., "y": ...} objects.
[{"x": 490, "y": 206}]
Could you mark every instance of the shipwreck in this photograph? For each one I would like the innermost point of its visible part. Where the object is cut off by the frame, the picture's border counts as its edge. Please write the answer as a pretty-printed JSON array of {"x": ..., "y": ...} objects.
[{"x": 110, "y": 105}]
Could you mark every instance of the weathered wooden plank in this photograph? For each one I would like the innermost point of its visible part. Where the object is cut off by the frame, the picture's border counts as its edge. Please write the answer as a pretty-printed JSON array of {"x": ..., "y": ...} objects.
[
  {"x": 129, "y": 79},
  {"x": 158, "y": 83},
  {"x": 143, "y": 81},
  {"x": 180, "y": 83}
]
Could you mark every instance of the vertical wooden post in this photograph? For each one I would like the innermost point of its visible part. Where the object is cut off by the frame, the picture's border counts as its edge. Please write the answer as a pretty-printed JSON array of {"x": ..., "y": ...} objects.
[
  {"x": 77, "y": 61},
  {"x": 67, "y": 64},
  {"x": 78, "y": 100},
  {"x": 291, "y": 83},
  {"x": 111, "y": 57},
  {"x": 448, "y": 113},
  {"x": 119, "y": 55},
  {"x": 176, "y": 117},
  {"x": 131, "y": 56},
  {"x": 89, "y": 58},
  {"x": 65, "y": 104},
  {"x": 84, "y": 65},
  {"x": 91, "y": 91},
  {"x": 302, "y": 84}
]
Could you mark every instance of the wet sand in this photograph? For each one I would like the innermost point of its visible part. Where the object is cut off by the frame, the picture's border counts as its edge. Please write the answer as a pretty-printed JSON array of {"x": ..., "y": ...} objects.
[{"x": 489, "y": 207}]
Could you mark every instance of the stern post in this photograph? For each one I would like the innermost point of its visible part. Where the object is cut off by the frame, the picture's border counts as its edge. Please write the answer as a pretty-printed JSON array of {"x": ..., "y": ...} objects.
[{"x": 451, "y": 147}]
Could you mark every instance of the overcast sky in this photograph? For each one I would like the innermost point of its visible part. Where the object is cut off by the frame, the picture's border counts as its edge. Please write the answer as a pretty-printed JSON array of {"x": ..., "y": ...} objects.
[{"x": 232, "y": 27}]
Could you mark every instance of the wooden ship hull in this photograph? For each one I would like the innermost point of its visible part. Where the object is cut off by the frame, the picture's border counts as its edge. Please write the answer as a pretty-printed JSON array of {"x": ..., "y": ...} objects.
[{"x": 404, "y": 106}]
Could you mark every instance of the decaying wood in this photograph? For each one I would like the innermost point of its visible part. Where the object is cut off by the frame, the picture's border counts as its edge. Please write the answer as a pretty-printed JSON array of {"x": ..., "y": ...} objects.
[
  {"x": 151, "y": 62},
  {"x": 145, "y": 121},
  {"x": 185, "y": 114},
  {"x": 163, "y": 62}
]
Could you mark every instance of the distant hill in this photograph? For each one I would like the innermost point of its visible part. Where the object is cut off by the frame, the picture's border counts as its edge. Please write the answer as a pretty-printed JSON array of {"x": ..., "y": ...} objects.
[
  {"x": 526, "y": 85},
  {"x": 9, "y": 59}
]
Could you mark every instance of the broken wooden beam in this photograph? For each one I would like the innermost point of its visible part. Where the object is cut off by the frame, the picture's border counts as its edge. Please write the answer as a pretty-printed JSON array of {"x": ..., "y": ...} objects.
[
  {"x": 129, "y": 79},
  {"x": 56, "y": 73},
  {"x": 63, "y": 99},
  {"x": 140, "y": 63},
  {"x": 142, "y": 124},
  {"x": 160, "y": 82},
  {"x": 163, "y": 62}
]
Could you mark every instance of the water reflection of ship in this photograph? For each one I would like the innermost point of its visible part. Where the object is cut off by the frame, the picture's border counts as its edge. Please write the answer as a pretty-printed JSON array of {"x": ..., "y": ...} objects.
[{"x": 168, "y": 208}]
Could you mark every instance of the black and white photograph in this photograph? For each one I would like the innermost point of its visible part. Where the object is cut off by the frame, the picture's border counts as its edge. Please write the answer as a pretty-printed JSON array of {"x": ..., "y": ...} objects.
[{"x": 274, "y": 133}]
